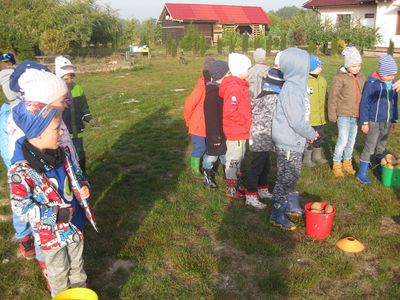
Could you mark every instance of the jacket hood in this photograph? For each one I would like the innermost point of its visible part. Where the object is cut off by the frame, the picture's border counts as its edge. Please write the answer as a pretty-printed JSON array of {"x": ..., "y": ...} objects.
[
  {"x": 229, "y": 81},
  {"x": 294, "y": 63}
]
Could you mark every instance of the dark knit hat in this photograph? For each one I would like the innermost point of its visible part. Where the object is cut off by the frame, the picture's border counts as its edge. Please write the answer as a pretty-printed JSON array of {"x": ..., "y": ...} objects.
[
  {"x": 218, "y": 69},
  {"x": 387, "y": 65},
  {"x": 272, "y": 83}
]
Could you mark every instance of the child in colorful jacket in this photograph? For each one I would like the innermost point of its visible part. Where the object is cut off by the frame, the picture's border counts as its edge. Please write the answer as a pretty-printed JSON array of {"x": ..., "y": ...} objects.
[
  {"x": 262, "y": 110},
  {"x": 343, "y": 108},
  {"x": 290, "y": 133},
  {"x": 234, "y": 90},
  {"x": 77, "y": 111},
  {"x": 48, "y": 190},
  {"x": 215, "y": 138},
  {"x": 378, "y": 114},
  {"x": 317, "y": 91}
]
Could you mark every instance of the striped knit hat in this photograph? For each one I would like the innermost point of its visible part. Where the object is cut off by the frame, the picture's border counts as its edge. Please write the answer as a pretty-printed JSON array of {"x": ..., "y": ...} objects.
[{"x": 387, "y": 65}]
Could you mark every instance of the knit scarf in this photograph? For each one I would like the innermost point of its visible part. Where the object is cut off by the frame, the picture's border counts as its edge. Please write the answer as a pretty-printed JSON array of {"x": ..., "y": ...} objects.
[{"x": 42, "y": 161}]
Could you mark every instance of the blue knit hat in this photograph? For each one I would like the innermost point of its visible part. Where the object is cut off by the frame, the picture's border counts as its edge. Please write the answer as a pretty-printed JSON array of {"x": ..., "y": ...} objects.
[
  {"x": 22, "y": 67},
  {"x": 387, "y": 65},
  {"x": 8, "y": 57},
  {"x": 315, "y": 62},
  {"x": 33, "y": 117}
]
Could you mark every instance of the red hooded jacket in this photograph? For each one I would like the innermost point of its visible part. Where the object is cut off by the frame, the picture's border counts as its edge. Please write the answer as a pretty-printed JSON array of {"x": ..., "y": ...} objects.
[{"x": 236, "y": 109}]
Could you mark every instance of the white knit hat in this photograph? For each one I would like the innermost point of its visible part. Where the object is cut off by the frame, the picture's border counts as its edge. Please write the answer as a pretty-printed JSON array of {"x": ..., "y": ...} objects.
[
  {"x": 5, "y": 84},
  {"x": 41, "y": 86},
  {"x": 351, "y": 56},
  {"x": 63, "y": 66},
  {"x": 238, "y": 63}
]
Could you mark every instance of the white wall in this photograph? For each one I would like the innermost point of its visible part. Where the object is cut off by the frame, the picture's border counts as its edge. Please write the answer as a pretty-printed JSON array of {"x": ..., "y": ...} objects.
[
  {"x": 356, "y": 12},
  {"x": 386, "y": 21}
]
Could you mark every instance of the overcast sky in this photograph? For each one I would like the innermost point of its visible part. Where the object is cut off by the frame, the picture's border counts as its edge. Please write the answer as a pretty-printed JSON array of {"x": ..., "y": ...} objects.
[{"x": 143, "y": 9}]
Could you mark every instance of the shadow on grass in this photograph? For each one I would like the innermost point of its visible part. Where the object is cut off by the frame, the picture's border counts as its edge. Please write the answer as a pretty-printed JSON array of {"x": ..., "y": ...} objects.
[{"x": 141, "y": 166}]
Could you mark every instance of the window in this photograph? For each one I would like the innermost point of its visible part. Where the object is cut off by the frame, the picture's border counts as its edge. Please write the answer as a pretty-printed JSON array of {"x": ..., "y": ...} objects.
[
  {"x": 369, "y": 16},
  {"x": 398, "y": 23},
  {"x": 344, "y": 20}
]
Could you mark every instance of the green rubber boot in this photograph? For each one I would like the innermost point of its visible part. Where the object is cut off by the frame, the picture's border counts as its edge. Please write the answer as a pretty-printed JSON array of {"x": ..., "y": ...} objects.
[{"x": 195, "y": 166}]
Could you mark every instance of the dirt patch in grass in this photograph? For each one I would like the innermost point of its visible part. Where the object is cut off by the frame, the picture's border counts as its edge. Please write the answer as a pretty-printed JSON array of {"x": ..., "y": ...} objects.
[{"x": 390, "y": 227}]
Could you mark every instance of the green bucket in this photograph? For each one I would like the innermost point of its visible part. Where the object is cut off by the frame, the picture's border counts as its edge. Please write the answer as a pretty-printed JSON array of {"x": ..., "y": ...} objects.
[{"x": 390, "y": 177}]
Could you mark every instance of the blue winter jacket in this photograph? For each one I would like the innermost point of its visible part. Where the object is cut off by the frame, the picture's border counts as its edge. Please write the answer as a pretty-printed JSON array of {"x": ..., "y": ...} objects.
[{"x": 378, "y": 104}]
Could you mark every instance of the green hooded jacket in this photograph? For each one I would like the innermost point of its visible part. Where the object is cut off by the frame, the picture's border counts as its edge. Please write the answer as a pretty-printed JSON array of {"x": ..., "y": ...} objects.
[{"x": 318, "y": 98}]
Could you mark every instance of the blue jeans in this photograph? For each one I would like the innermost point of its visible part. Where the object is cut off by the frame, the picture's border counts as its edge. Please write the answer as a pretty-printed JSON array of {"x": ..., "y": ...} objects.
[
  {"x": 347, "y": 127},
  {"x": 208, "y": 161},
  {"x": 199, "y": 145}
]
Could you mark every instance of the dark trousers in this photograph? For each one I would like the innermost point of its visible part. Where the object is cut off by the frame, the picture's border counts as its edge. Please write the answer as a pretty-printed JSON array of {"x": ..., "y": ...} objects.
[
  {"x": 259, "y": 169},
  {"x": 289, "y": 167}
]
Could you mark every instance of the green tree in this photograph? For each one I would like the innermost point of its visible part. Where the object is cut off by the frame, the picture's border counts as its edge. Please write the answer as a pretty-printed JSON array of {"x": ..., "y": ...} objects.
[
  {"x": 231, "y": 38},
  {"x": 220, "y": 45},
  {"x": 245, "y": 43},
  {"x": 191, "y": 39},
  {"x": 202, "y": 46},
  {"x": 53, "y": 42},
  {"x": 268, "y": 44},
  {"x": 312, "y": 47},
  {"x": 334, "y": 46},
  {"x": 283, "y": 42},
  {"x": 390, "y": 49},
  {"x": 131, "y": 32}
]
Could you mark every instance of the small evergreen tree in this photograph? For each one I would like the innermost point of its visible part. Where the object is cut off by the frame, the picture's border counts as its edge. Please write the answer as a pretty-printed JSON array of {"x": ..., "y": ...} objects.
[
  {"x": 174, "y": 48},
  {"x": 334, "y": 47},
  {"x": 312, "y": 47},
  {"x": 196, "y": 43},
  {"x": 202, "y": 45},
  {"x": 390, "y": 50},
  {"x": 290, "y": 38},
  {"x": 220, "y": 45},
  {"x": 268, "y": 44},
  {"x": 283, "y": 42},
  {"x": 168, "y": 44},
  {"x": 245, "y": 43}
]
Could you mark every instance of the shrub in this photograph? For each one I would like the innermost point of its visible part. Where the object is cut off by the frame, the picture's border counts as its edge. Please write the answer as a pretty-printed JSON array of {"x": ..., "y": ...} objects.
[
  {"x": 202, "y": 45},
  {"x": 390, "y": 50},
  {"x": 334, "y": 47},
  {"x": 312, "y": 47},
  {"x": 245, "y": 43},
  {"x": 283, "y": 42},
  {"x": 220, "y": 45},
  {"x": 268, "y": 44},
  {"x": 53, "y": 41}
]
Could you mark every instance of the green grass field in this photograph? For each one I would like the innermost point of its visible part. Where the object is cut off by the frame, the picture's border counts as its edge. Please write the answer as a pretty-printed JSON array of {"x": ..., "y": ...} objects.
[{"x": 163, "y": 236}]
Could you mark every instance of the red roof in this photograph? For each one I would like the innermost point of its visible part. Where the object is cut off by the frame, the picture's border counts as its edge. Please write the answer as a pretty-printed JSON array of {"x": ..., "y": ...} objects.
[
  {"x": 324, "y": 3},
  {"x": 224, "y": 14}
]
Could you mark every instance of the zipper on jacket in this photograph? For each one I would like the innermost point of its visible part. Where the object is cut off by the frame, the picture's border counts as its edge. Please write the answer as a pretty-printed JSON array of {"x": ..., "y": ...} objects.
[{"x": 379, "y": 101}]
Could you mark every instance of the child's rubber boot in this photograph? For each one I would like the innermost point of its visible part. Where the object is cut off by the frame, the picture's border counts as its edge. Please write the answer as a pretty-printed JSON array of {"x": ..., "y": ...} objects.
[
  {"x": 209, "y": 179},
  {"x": 27, "y": 246},
  {"x": 263, "y": 192},
  {"x": 337, "y": 169},
  {"x": 318, "y": 156},
  {"x": 279, "y": 218},
  {"x": 307, "y": 159},
  {"x": 232, "y": 191},
  {"x": 378, "y": 166},
  {"x": 253, "y": 200},
  {"x": 293, "y": 207},
  {"x": 43, "y": 267},
  {"x": 195, "y": 167},
  {"x": 348, "y": 167},
  {"x": 362, "y": 174}
]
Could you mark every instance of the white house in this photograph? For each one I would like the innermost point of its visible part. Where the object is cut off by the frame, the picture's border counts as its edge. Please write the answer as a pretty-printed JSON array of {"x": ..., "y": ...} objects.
[{"x": 381, "y": 14}]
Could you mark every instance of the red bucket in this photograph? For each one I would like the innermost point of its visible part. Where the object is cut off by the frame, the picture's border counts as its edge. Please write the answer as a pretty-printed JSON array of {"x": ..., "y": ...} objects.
[{"x": 318, "y": 226}]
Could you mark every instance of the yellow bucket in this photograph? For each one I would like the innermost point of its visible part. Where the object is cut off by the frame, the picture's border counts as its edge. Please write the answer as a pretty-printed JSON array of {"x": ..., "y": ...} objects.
[{"x": 77, "y": 294}]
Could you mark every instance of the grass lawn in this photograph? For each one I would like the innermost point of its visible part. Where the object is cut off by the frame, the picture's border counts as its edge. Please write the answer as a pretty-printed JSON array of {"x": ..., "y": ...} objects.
[{"x": 163, "y": 236}]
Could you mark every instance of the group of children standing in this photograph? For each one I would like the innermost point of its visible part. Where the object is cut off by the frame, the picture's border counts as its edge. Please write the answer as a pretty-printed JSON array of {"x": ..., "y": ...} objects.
[
  {"x": 48, "y": 190},
  {"x": 283, "y": 110}
]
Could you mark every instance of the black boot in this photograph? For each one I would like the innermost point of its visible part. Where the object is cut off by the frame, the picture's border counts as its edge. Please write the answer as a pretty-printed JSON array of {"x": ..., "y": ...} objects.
[{"x": 209, "y": 179}]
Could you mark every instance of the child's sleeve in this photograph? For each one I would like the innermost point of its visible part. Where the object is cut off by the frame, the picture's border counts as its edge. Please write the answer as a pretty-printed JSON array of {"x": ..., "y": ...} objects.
[
  {"x": 212, "y": 119},
  {"x": 334, "y": 93},
  {"x": 365, "y": 104},
  {"x": 395, "y": 107},
  {"x": 193, "y": 100},
  {"x": 86, "y": 114},
  {"x": 23, "y": 203},
  {"x": 232, "y": 98}
]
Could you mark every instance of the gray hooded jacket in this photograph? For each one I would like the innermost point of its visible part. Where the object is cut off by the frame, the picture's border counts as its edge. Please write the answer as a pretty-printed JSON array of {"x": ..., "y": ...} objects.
[{"x": 290, "y": 130}]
